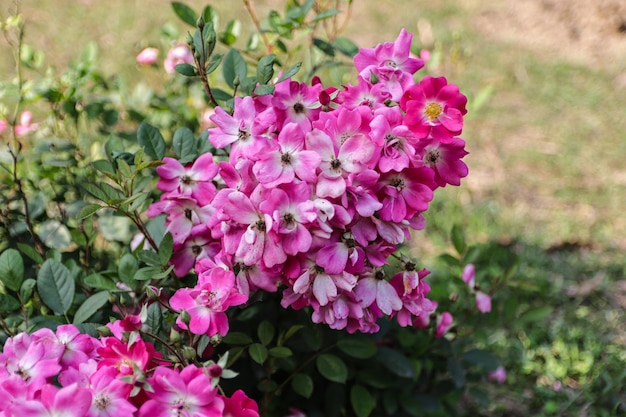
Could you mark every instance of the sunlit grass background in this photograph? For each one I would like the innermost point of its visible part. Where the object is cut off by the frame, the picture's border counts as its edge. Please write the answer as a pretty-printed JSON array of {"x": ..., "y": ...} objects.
[{"x": 547, "y": 142}]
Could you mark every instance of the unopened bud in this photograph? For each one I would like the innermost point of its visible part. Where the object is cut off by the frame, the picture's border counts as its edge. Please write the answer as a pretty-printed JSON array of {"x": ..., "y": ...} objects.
[
  {"x": 189, "y": 352},
  {"x": 174, "y": 336},
  {"x": 373, "y": 78},
  {"x": 104, "y": 331},
  {"x": 153, "y": 292},
  {"x": 184, "y": 317},
  {"x": 200, "y": 22}
]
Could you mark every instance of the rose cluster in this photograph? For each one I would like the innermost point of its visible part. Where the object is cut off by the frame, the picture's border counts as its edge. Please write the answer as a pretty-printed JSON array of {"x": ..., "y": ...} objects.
[
  {"x": 318, "y": 188},
  {"x": 66, "y": 373}
]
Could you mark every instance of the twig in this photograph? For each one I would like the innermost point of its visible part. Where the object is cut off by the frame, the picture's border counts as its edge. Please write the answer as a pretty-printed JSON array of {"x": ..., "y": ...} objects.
[{"x": 249, "y": 5}]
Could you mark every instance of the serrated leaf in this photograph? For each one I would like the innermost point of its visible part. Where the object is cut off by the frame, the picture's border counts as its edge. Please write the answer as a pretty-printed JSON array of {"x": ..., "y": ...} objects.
[
  {"x": 104, "y": 166},
  {"x": 185, "y": 13},
  {"x": 358, "y": 347},
  {"x": 56, "y": 286},
  {"x": 302, "y": 384},
  {"x": 291, "y": 71},
  {"x": 345, "y": 46},
  {"x": 165, "y": 248},
  {"x": 363, "y": 402},
  {"x": 88, "y": 211},
  {"x": 95, "y": 191},
  {"x": 149, "y": 257},
  {"x": 154, "y": 318},
  {"x": 185, "y": 69},
  {"x": 90, "y": 306},
  {"x": 482, "y": 358},
  {"x": 151, "y": 141},
  {"x": 266, "y": 332},
  {"x": 325, "y": 15},
  {"x": 184, "y": 145},
  {"x": 332, "y": 368},
  {"x": 258, "y": 353},
  {"x": 11, "y": 269},
  {"x": 395, "y": 362},
  {"x": 265, "y": 69},
  {"x": 233, "y": 67}
]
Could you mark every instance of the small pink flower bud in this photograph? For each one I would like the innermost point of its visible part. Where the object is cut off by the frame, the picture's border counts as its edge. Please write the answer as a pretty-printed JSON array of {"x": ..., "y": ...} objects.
[
  {"x": 215, "y": 371},
  {"x": 148, "y": 56},
  {"x": 483, "y": 302},
  {"x": 443, "y": 324},
  {"x": 469, "y": 275},
  {"x": 499, "y": 375}
]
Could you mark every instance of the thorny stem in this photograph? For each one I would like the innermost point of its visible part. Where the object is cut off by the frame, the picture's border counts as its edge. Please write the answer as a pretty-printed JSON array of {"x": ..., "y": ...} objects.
[{"x": 249, "y": 5}]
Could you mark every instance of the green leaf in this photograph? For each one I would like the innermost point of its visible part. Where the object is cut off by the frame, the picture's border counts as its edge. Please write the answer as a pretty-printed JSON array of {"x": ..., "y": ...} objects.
[
  {"x": 232, "y": 32},
  {"x": 30, "y": 252},
  {"x": 302, "y": 384},
  {"x": 149, "y": 257},
  {"x": 456, "y": 372},
  {"x": 363, "y": 402},
  {"x": 95, "y": 191},
  {"x": 185, "y": 13},
  {"x": 26, "y": 290},
  {"x": 90, "y": 306},
  {"x": 458, "y": 239},
  {"x": 345, "y": 46},
  {"x": 265, "y": 69},
  {"x": 396, "y": 362},
  {"x": 165, "y": 248},
  {"x": 8, "y": 303},
  {"x": 258, "y": 353},
  {"x": 210, "y": 15},
  {"x": 150, "y": 272},
  {"x": 482, "y": 358},
  {"x": 266, "y": 332},
  {"x": 324, "y": 46},
  {"x": 151, "y": 141},
  {"x": 280, "y": 352},
  {"x": 325, "y": 15},
  {"x": 99, "y": 282},
  {"x": 234, "y": 67},
  {"x": 291, "y": 71},
  {"x": 332, "y": 368},
  {"x": 187, "y": 70},
  {"x": 214, "y": 62},
  {"x": 237, "y": 338},
  {"x": 154, "y": 318},
  {"x": 535, "y": 314},
  {"x": 264, "y": 89},
  {"x": 11, "y": 269},
  {"x": 184, "y": 145},
  {"x": 127, "y": 267},
  {"x": 358, "y": 347},
  {"x": 88, "y": 211},
  {"x": 56, "y": 286}
]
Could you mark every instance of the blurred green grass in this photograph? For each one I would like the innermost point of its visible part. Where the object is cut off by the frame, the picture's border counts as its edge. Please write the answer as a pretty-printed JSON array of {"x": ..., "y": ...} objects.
[{"x": 547, "y": 178}]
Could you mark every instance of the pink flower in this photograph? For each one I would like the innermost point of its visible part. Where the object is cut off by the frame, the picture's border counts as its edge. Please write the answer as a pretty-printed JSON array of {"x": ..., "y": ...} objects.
[
  {"x": 192, "y": 180},
  {"x": 434, "y": 107},
  {"x": 70, "y": 401},
  {"x": 444, "y": 322},
  {"x": 469, "y": 275},
  {"x": 188, "y": 393},
  {"x": 25, "y": 126},
  {"x": 405, "y": 193},
  {"x": 372, "y": 290},
  {"x": 110, "y": 395},
  {"x": 239, "y": 405},
  {"x": 483, "y": 302},
  {"x": 294, "y": 412},
  {"x": 178, "y": 54},
  {"x": 391, "y": 63},
  {"x": 445, "y": 159},
  {"x": 207, "y": 302},
  {"x": 296, "y": 103},
  {"x": 148, "y": 56},
  {"x": 499, "y": 375}
]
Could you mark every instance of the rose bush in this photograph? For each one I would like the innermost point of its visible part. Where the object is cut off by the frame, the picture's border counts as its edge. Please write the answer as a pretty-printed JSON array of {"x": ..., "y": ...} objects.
[{"x": 271, "y": 277}]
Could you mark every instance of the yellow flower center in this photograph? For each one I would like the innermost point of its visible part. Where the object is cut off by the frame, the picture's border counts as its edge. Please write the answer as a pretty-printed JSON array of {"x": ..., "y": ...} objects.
[{"x": 432, "y": 111}]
